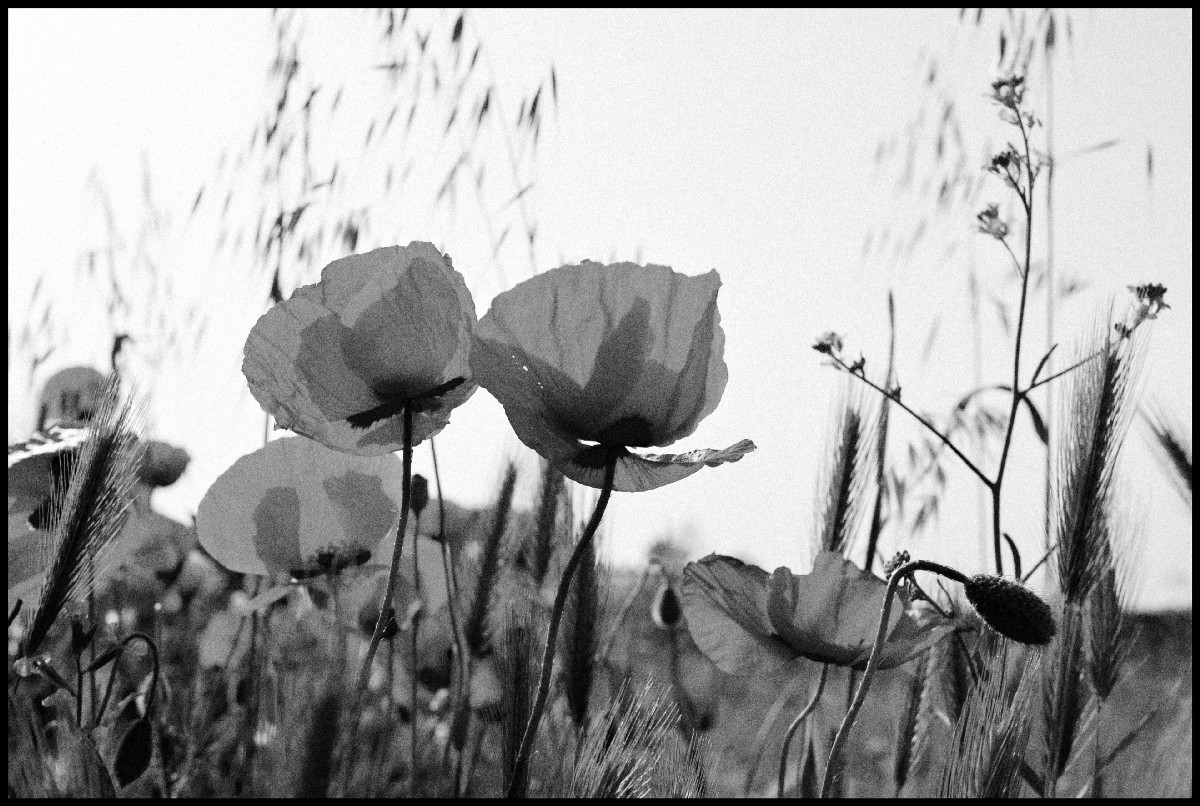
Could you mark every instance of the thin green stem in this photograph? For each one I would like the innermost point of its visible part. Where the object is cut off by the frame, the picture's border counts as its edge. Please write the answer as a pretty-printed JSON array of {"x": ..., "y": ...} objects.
[
  {"x": 876, "y": 656},
  {"x": 560, "y": 601},
  {"x": 800, "y": 717},
  {"x": 385, "y": 607}
]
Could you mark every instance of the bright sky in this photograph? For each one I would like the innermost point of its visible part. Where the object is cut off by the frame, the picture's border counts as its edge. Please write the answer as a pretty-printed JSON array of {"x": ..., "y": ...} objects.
[{"x": 736, "y": 140}]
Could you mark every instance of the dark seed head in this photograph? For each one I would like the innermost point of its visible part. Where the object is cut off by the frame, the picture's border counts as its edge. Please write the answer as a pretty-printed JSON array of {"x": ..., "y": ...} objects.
[{"x": 1011, "y": 609}]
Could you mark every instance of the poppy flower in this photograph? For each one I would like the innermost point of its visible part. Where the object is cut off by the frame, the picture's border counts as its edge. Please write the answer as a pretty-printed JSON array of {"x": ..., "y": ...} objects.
[
  {"x": 591, "y": 360},
  {"x": 295, "y": 507},
  {"x": 745, "y": 619},
  {"x": 339, "y": 359},
  {"x": 70, "y": 397}
]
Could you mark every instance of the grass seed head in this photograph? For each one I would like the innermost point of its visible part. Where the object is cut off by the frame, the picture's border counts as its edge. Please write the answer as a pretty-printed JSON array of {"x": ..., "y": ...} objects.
[{"x": 1011, "y": 609}]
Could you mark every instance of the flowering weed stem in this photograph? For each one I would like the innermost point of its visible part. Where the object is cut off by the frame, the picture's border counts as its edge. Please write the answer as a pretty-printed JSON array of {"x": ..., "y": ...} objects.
[
  {"x": 560, "y": 600},
  {"x": 895, "y": 398}
]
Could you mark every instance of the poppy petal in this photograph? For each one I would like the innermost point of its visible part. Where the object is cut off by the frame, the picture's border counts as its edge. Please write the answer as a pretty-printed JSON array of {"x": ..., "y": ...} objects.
[
  {"x": 277, "y": 510},
  {"x": 637, "y": 472},
  {"x": 379, "y": 328},
  {"x": 725, "y": 603},
  {"x": 620, "y": 354}
]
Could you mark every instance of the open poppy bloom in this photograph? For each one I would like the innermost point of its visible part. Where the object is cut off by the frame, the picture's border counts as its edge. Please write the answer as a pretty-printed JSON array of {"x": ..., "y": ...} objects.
[
  {"x": 295, "y": 507},
  {"x": 591, "y": 360},
  {"x": 746, "y": 620},
  {"x": 339, "y": 359}
]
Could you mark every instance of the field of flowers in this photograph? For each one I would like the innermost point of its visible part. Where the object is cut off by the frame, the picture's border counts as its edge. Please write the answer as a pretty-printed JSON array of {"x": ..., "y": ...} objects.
[{"x": 332, "y": 626}]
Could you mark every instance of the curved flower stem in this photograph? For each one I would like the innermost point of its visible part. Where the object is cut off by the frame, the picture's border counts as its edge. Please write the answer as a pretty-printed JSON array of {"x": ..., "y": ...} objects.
[
  {"x": 800, "y": 717},
  {"x": 876, "y": 655},
  {"x": 462, "y": 655},
  {"x": 385, "y": 607},
  {"x": 415, "y": 620},
  {"x": 560, "y": 601}
]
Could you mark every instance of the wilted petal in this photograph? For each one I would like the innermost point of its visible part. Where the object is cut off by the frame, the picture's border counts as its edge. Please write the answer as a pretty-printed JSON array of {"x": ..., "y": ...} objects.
[
  {"x": 379, "y": 328},
  {"x": 279, "y": 509}
]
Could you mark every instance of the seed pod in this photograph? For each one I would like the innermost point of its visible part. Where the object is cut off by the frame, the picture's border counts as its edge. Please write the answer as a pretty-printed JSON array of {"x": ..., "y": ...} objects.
[{"x": 1011, "y": 609}]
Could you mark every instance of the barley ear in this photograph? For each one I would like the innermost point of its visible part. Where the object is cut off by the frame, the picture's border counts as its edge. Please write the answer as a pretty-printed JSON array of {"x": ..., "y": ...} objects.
[{"x": 89, "y": 512}]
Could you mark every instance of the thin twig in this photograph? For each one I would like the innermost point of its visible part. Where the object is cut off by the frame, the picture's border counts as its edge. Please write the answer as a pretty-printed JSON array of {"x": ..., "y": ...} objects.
[{"x": 896, "y": 399}]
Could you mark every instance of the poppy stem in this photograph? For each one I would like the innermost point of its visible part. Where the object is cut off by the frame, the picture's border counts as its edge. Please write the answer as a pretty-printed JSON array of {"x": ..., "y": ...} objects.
[
  {"x": 791, "y": 731},
  {"x": 876, "y": 656},
  {"x": 560, "y": 601},
  {"x": 385, "y": 608}
]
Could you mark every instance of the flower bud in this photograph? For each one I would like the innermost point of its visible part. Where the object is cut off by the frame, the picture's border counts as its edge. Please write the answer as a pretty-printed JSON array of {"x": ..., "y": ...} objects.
[
  {"x": 1011, "y": 609},
  {"x": 667, "y": 611},
  {"x": 418, "y": 494}
]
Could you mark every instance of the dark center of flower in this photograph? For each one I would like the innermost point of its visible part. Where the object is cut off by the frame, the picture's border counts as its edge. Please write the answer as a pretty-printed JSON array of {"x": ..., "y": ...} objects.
[
  {"x": 394, "y": 403},
  {"x": 632, "y": 431},
  {"x": 596, "y": 456}
]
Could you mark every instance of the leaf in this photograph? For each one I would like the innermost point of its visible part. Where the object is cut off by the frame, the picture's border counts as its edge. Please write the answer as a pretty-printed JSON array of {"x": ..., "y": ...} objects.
[
  {"x": 135, "y": 752},
  {"x": 1039, "y": 425}
]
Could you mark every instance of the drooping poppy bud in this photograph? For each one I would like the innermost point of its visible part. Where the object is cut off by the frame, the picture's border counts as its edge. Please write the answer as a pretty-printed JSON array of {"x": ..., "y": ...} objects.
[{"x": 1011, "y": 609}]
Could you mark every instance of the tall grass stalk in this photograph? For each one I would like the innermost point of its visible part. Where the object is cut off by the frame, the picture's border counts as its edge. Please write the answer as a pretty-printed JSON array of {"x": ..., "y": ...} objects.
[
  {"x": 581, "y": 633},
  {"x": 1098, "y": 406},
  {"x": 550, "y": 503},
  {"x": 1064, "y": 697},
  {"x": 985, "y": 757},
  {"x": 89, "y": 512},
  {"x": 623, "y": 749},
  {"x": 846, "y": 476},
  {"x": 475, "y": 627},
  {"x": 517, "y": 658}
]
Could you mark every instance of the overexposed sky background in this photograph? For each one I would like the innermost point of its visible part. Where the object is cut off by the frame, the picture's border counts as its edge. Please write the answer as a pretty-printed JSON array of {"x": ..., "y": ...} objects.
[{"x": 744, "y": 141}]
